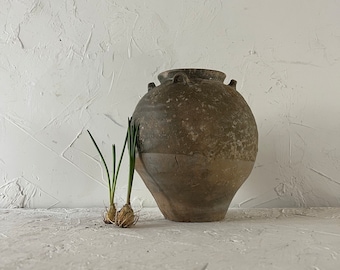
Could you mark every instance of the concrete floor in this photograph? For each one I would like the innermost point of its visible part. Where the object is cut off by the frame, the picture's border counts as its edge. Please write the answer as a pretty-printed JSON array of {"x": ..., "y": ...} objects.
[{"x": 246, "y": 239}]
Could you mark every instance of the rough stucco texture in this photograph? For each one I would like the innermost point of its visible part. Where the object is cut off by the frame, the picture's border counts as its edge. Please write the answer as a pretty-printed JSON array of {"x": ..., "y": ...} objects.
[{"x": 67, "y": 66}]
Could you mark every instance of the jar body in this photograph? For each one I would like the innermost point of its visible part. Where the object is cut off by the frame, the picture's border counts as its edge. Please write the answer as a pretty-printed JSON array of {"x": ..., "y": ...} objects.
[{"x": 197, "y": 143}]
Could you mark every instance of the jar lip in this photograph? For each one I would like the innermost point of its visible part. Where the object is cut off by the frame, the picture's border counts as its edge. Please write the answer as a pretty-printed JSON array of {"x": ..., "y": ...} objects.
[{"x": 207, "y": 74}]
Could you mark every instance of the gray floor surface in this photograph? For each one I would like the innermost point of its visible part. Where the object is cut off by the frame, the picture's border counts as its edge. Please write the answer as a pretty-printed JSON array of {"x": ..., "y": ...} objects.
[{"x": 246, "y": 239}]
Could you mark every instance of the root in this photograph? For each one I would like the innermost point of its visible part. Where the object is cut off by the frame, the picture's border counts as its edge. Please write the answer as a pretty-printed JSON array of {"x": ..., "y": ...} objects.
[
  {"x": 110, "y": 215},
  {"x": 125, "y": 217}
]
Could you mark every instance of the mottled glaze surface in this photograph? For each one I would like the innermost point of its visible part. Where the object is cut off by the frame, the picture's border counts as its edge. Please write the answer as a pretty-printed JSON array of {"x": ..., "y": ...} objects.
[{"x": 197, "y": 143}]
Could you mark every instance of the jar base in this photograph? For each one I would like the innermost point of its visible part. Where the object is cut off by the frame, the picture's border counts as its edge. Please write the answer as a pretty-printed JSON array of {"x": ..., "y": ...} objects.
[{"x": 208, "y": 216}]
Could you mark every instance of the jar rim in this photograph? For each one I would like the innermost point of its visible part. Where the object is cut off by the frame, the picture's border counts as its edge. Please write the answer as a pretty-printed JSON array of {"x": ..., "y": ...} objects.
[{"x": 207, "y": 74}]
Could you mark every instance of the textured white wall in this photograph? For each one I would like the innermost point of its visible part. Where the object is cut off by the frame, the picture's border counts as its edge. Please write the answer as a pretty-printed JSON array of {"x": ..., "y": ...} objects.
[{"x": 67, "y": 66}]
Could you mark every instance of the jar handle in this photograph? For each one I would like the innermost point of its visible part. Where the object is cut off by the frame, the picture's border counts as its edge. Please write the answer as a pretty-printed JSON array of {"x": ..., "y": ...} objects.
[
  {"x": 180, "y": 77},
  {"x": 151, "y": 86},
  {"x": 233, "y": 83}
]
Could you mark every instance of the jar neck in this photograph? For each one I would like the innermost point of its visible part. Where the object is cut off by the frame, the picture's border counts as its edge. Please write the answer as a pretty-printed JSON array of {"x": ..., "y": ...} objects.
[{"x": 192, "y": 74}]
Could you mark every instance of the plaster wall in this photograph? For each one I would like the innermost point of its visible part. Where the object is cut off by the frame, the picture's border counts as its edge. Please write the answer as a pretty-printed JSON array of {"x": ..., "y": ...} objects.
[{"x": 68, "y": 66}]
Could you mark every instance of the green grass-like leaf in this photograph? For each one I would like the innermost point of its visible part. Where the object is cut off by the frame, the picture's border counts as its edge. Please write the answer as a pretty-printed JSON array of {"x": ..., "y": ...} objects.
[
  {"x": 132, "y": 143},
  {"x": 105, "y": 165},
  {"x": 112, "y": 182}
]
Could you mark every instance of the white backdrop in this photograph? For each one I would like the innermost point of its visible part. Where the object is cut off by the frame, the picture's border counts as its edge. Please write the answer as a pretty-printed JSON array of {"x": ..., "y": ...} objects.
[{"x": 67, "y": 66}]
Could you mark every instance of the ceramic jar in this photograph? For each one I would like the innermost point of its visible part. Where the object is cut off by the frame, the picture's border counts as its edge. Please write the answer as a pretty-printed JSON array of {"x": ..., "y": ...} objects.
[{"x": 197, "y": 143}]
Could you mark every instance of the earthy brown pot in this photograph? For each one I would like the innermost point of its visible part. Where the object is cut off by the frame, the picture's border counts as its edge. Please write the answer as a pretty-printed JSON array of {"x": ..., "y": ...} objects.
[{"x": 197, "y": 143}]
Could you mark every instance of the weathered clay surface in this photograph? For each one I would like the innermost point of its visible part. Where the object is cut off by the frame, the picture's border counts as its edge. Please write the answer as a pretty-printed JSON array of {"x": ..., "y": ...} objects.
[{"x": 197, "y": 143}]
